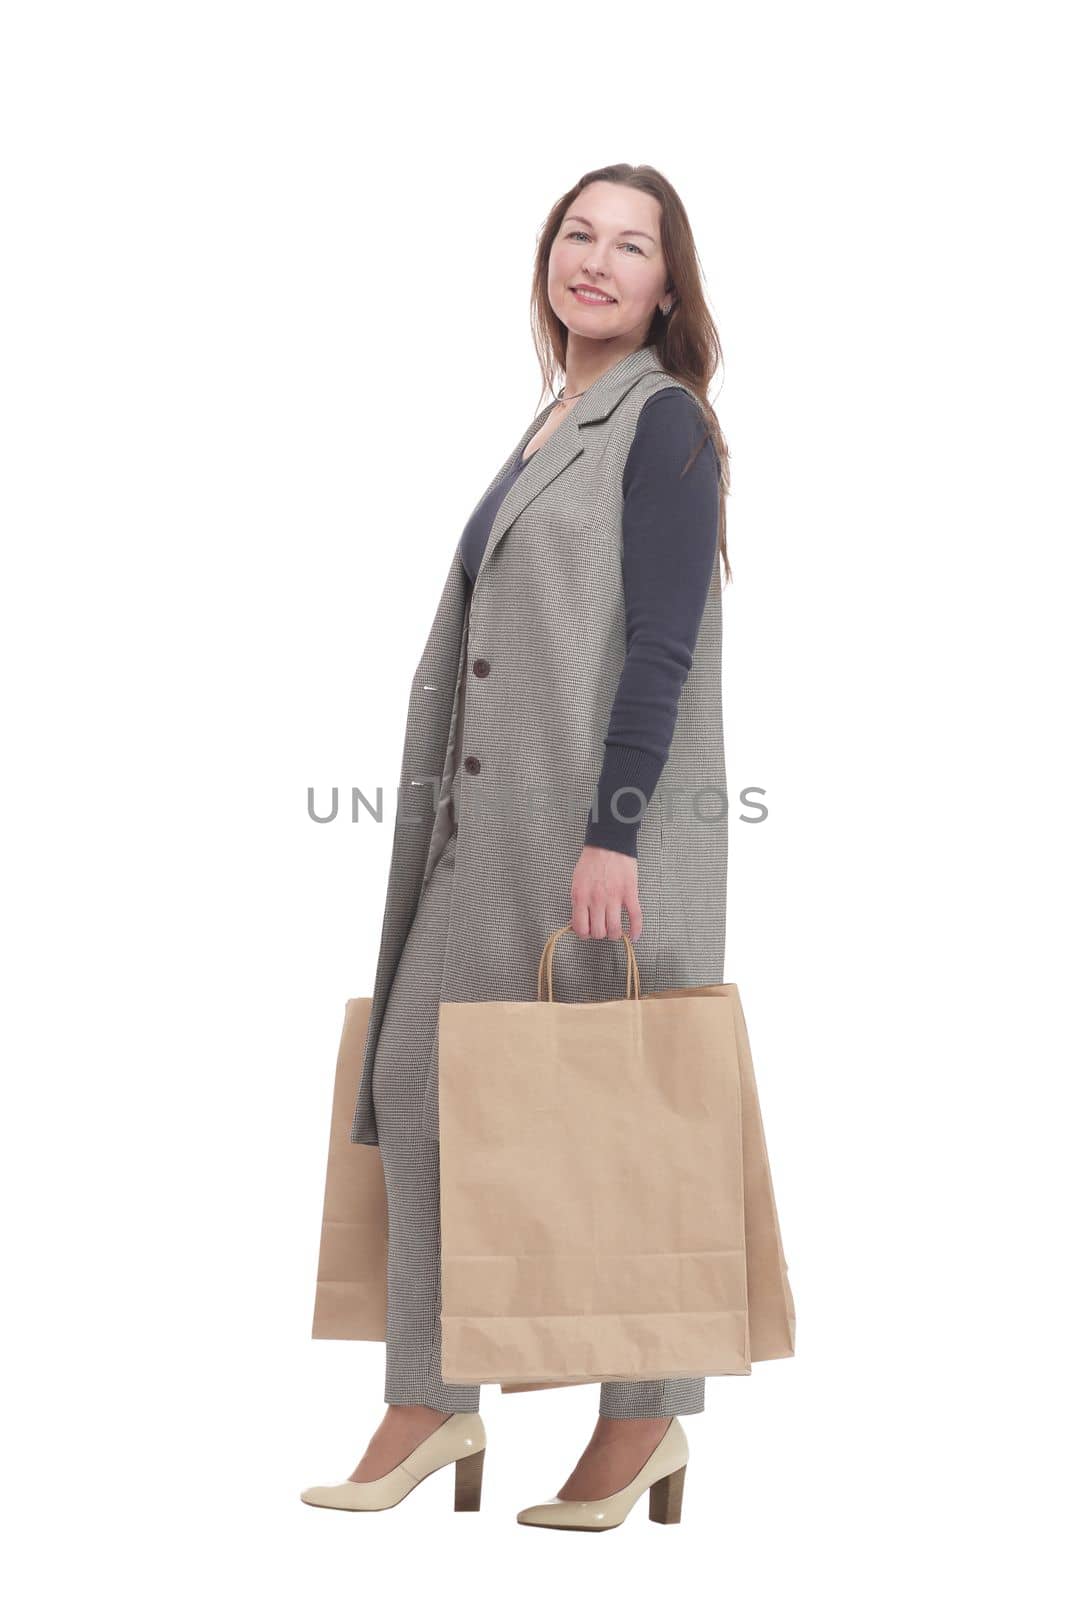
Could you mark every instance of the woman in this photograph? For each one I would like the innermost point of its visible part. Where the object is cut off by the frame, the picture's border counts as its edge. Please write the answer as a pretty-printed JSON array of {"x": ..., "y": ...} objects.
[{"x": 563, "y": 754}]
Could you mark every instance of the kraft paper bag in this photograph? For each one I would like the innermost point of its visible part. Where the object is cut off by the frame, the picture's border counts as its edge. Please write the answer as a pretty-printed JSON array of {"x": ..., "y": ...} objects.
[
  {"x": 350, "y": 1291},
  {"x": 606, "y": 1204}
]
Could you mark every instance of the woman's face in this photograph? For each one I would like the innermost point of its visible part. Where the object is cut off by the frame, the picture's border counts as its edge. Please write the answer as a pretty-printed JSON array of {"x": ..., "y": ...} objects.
[{"x": 609, "y": 240}]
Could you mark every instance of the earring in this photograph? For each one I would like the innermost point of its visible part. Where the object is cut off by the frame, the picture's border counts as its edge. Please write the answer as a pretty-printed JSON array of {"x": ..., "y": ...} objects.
[{"x": 665, "y": 310}]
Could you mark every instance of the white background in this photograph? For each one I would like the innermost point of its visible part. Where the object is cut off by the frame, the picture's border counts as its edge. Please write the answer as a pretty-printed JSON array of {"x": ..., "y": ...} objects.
[{"x": 266, "y": 277}]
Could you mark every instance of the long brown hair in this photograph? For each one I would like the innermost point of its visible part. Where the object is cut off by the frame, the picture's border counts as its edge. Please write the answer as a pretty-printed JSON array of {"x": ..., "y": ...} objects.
[{"x": 686, "y": 340}]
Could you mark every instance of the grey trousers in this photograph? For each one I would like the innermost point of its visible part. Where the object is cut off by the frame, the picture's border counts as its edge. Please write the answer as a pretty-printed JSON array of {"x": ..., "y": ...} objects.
[{"x": 410, "y": 1163}]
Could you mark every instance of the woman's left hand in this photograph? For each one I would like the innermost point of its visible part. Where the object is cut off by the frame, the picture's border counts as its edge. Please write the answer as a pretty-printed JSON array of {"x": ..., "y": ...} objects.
[{"x": 604, "y": 882}]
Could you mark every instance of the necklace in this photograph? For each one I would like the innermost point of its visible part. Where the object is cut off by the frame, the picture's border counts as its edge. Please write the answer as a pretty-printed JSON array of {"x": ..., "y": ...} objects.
[{"x": 563, "y": 396}]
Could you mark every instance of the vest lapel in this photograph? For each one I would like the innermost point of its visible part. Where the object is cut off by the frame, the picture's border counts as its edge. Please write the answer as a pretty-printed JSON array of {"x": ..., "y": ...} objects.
[{"x": 565, "y": 445}]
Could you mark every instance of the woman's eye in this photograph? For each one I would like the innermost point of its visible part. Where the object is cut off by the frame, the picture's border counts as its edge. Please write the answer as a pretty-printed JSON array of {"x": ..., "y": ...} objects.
[{"x": 580, "y": 233}]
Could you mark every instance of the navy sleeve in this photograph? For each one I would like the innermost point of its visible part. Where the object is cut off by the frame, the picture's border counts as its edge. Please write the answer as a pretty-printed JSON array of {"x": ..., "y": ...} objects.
[{"x": 669, "y": 549}]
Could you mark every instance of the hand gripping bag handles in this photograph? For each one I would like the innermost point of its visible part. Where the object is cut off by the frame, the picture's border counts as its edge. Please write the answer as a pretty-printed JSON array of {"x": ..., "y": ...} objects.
[{"x": 606, "y": 1201}]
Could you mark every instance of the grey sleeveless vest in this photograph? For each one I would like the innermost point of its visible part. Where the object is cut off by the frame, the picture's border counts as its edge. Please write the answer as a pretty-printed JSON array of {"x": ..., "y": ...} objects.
[{"x": 545, "y": 624}]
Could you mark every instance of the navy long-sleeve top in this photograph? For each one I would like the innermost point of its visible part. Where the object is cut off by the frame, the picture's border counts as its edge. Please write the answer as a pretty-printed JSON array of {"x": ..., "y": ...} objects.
[{"x": 669, "y": 524}]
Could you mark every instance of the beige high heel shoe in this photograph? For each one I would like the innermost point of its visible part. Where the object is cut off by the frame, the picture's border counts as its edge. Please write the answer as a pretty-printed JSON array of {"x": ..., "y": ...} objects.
[
  {"x": 460, "y": 1438},
  {"x": 663, "y": 1474}
]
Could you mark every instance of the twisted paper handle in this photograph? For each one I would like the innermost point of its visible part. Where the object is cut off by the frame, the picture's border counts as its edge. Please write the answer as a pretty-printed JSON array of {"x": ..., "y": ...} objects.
[{"x": 633, "y": 977}]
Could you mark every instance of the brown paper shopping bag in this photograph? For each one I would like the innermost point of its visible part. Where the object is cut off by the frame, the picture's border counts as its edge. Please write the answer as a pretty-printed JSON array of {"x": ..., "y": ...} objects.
[
  {"x": 596, "y": 1161},
  {"x": 771, "y": 1312},
  {"x": 350, "y": 1291}
]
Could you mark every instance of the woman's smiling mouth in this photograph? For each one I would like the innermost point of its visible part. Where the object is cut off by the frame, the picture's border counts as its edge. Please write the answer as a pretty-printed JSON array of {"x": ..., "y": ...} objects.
[{"x": 592, "y": 297}]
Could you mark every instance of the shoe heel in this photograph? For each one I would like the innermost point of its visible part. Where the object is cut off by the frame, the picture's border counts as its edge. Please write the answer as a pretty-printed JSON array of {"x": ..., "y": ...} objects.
[
  {"x": 469, "y": 1482},
  {"x": 665, "y": 1497}
]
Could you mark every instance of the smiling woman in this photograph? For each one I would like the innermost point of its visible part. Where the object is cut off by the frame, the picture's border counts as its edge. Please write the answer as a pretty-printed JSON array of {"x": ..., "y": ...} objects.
[
  {"x": 576, "y": 644},
  {"x": 575, "y": 654}
]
